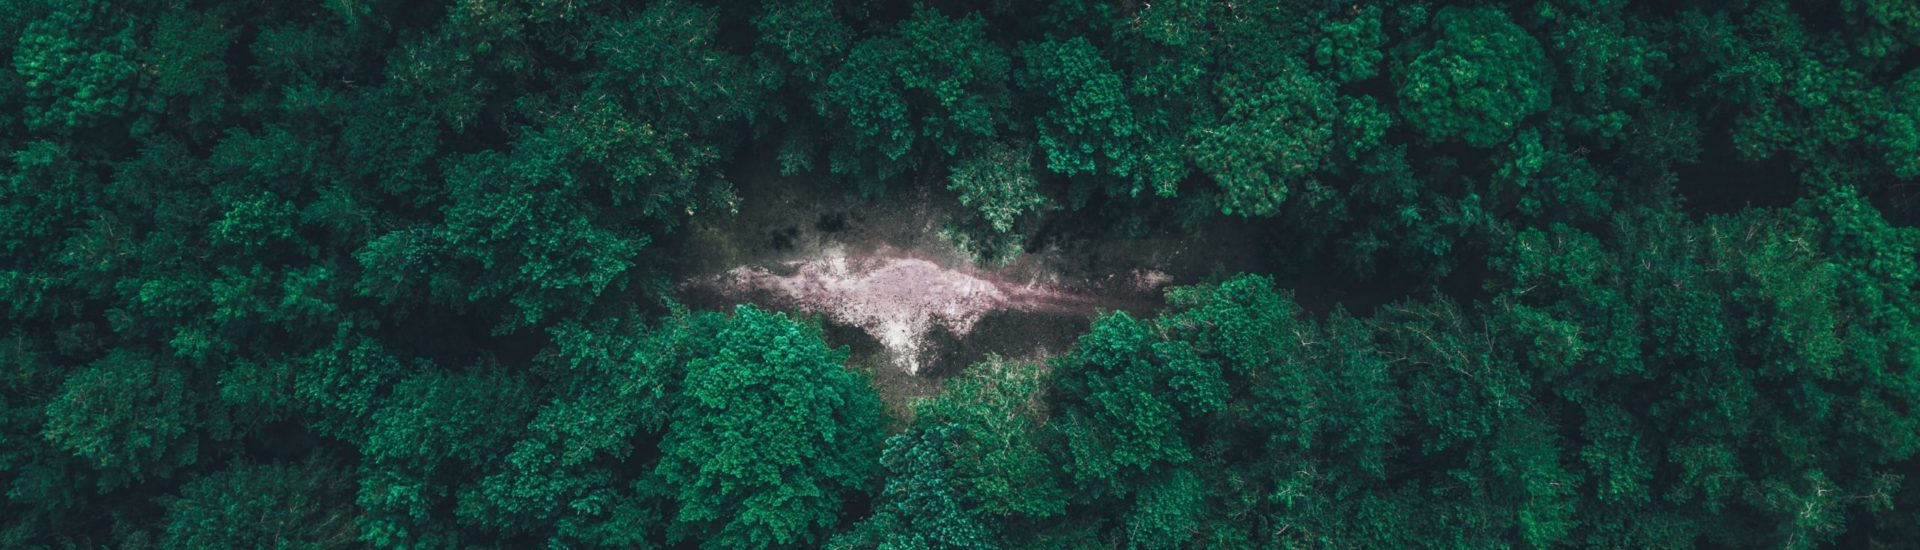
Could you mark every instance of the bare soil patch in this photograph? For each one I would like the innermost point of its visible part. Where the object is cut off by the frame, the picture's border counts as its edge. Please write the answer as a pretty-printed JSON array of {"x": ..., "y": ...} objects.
[
  {"x": 911, "y": 306},
  {"x": 901, "y": 301}
]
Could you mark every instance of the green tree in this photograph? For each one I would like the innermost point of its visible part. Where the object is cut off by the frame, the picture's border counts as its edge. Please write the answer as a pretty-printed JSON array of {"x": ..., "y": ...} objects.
[
  {"x": 570, "y": 477},
  {"x": 1277, "y": 133},
  {"x": 187, "y": 71},
  {"x": 1088, "y": 127},
  {"x": 1313, "y": 402},
  {"x": 922, "y": 94},
  {"x": 802, "y": 39},
  {"x": 1741, "y": 325},
  {"x": 1481, "y": 77},
  {"x": 997, "y": 450},
  {"x": 1352, "y": 44},
  {"x": 668, "y": 60},
  {"x": 800, "y": 44},
  {"x": 920, "y": 507},
  {"x": 516, "y": 230},
  {"x": 1131, "y": 402},
  {"x": 1791, "y": 93},
  {"x": 430, "y": 435},
  {"x": 127, "y": 415},
  {"x": 998, "y": 182},
  {"x": 1611, "y": 70},
  {"x": 1473, "y": 434},
  {"x": 77, "y": 65},
  {"x": 1541, "y": 180},
  {"x": 770, "y": 437},
  {"x": 47, "y": 193},
  {"x": 1880, "y": 28}
]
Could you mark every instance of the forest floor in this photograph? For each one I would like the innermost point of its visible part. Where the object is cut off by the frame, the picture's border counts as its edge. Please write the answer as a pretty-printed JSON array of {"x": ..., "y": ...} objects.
[{"x": 912, "y": 307}]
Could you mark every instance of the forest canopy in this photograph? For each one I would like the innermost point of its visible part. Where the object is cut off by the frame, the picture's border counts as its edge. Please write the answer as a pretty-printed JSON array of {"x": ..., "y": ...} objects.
[{"x": 377, "y": 273}]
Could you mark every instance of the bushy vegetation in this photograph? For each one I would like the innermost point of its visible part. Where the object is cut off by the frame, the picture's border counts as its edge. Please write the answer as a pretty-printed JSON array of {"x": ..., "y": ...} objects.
[{"x": 389, "y": 274}]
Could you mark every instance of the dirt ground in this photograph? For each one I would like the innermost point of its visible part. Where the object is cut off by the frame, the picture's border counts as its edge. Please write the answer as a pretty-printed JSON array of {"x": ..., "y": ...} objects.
[{"x": 912, "y": 307}]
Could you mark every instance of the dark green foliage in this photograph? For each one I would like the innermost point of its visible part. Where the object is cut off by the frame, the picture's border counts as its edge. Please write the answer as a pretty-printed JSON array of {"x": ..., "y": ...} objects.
[
  {"x": 514, "y": 234},
  {"x": 562, "y": 476},
  {"x": 667, "y": 60},
  {"x": 437, "y": 425},
  {"x": 802, "y": 38},
  {"x": 1574, "y": 273},
  {"x": 125, "y": 415},
  {"x": 47, "y": 190},
  {"x": 924, "y": 93},
  {"x": 265, "y": 506},
  {"x": 1611, "y": 72},
  {"x": 1743, "y": 323}
]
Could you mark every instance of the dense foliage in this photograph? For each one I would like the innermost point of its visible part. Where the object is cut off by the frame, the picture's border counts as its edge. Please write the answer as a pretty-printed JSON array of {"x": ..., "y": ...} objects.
[{"x": 387, "y": 274}]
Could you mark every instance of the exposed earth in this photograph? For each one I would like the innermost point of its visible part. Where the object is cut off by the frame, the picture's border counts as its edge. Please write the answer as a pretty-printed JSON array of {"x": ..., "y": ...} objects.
[
  {"x": 900, "y": 301},
  {"x": 911, "y": 305}
]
